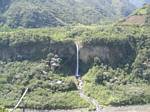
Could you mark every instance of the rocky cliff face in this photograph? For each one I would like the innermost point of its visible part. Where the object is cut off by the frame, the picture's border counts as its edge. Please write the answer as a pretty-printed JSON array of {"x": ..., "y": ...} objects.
[
  {"x": 113, "y": 53},
  {"x": 34, "y": 51}
]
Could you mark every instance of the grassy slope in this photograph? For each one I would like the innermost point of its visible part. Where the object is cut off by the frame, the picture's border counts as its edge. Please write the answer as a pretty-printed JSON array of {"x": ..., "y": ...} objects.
[
  {"x": 109, "y": 86},
  {"x": 142, "y": 11},
  {"x": 42, "y": 82},
  {"x": 115, "y": 87},
  {"x": 18, "y": 75},
  {"x": 45, "y": 91},
  {"x": 81, "y": 32},
  {"x": 127, "y": 85}
]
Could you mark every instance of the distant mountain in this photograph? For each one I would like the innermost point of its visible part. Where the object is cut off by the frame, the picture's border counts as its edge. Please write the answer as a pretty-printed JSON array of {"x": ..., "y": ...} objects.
[{"x": 43, "y": 13}]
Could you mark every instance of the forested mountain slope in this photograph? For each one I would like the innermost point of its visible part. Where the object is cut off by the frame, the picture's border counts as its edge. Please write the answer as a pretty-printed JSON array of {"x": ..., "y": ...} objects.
[
  {"x": 41, "y": 13},
  {"x": 114, "y": 59}
]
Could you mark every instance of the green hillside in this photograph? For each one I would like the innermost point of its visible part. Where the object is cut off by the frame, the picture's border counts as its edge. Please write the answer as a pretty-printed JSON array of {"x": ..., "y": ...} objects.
[
  {"x": 39, "y": 13},
  {"x": 114, "y": 59},
  {"x": 25, "y": 62},
  {"x": 143, "y": 11}
]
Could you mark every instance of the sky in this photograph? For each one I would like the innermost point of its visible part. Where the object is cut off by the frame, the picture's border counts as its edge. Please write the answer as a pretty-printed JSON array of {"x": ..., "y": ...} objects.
[{"x": 139, "y": 3}]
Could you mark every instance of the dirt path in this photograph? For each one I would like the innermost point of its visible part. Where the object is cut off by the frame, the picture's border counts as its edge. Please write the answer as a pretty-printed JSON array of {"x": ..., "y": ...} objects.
[
  {"x": 136, "y": 108},
  {"x": 133, "y": 108},
  {"x": 89, "y": 99}
]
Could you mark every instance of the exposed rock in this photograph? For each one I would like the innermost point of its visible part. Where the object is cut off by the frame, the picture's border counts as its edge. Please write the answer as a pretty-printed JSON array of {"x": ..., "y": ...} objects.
[{"x": 114, "y": 55}]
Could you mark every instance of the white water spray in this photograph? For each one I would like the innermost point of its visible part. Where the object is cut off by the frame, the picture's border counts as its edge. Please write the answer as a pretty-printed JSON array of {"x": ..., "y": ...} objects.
[
  {"x": 77, "y": 63},
  {"x": 80, "y": 85}
]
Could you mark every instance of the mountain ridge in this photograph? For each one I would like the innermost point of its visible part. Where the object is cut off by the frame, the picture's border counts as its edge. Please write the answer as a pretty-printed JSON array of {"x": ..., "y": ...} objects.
[{"x": 39, "y": 13}]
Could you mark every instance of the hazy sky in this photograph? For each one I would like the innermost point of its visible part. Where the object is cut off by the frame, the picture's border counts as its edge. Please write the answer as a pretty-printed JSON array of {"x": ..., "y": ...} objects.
[{"x": 139, "y": 3}]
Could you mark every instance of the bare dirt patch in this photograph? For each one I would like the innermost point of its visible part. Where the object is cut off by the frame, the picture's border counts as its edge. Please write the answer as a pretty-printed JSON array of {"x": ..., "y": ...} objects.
[{"x": 136, "y": 20}]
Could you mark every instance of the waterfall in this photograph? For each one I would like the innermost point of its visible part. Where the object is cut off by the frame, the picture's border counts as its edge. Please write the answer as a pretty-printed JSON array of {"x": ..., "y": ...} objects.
[
  {"x": 80, "y": 84},
  {"x": 77, "y": 63}
]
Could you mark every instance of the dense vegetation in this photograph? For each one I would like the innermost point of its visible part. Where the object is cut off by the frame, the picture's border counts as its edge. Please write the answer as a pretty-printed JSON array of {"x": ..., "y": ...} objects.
[
  {"x": 44, "y": 60},
  {"x": 3, "y": 109},
  {"x": 39, "y": 13},
  {"x": 116, "y": 87},
  {"x": 123, "y": 85},
  {"x": 25, "y": 64},
  {"x": 46, "y": 89},
  {"x": 142, "y": 11}
]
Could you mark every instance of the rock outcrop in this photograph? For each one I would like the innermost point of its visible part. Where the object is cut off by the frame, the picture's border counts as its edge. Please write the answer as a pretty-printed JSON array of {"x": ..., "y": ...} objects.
[{"x": 110, "y": 53}]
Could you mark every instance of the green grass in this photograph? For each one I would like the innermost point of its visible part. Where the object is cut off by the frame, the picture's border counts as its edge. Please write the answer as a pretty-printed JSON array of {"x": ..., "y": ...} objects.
[
  {"x": 44, "y": 89},
  {"x": 3, "y": 109},
  {"x": 118, "y": 86},
  {"x": 115, "y": 87},
  {"x": 80, "y": 32},
  {"x": 41, "y": 98}
]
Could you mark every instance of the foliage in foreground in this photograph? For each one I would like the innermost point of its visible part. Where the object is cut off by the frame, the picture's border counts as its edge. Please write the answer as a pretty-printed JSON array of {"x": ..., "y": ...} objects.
[
  {"x": 115, "y": 87},
  {"x": 128, "y": 84},
  {"x": 46, "y": 89},
  {"x": 3, "y": 109}
]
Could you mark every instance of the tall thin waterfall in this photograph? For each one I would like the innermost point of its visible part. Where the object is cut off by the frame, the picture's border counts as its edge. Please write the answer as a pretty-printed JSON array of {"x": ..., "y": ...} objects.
[{"x": 77, "y": 66}]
